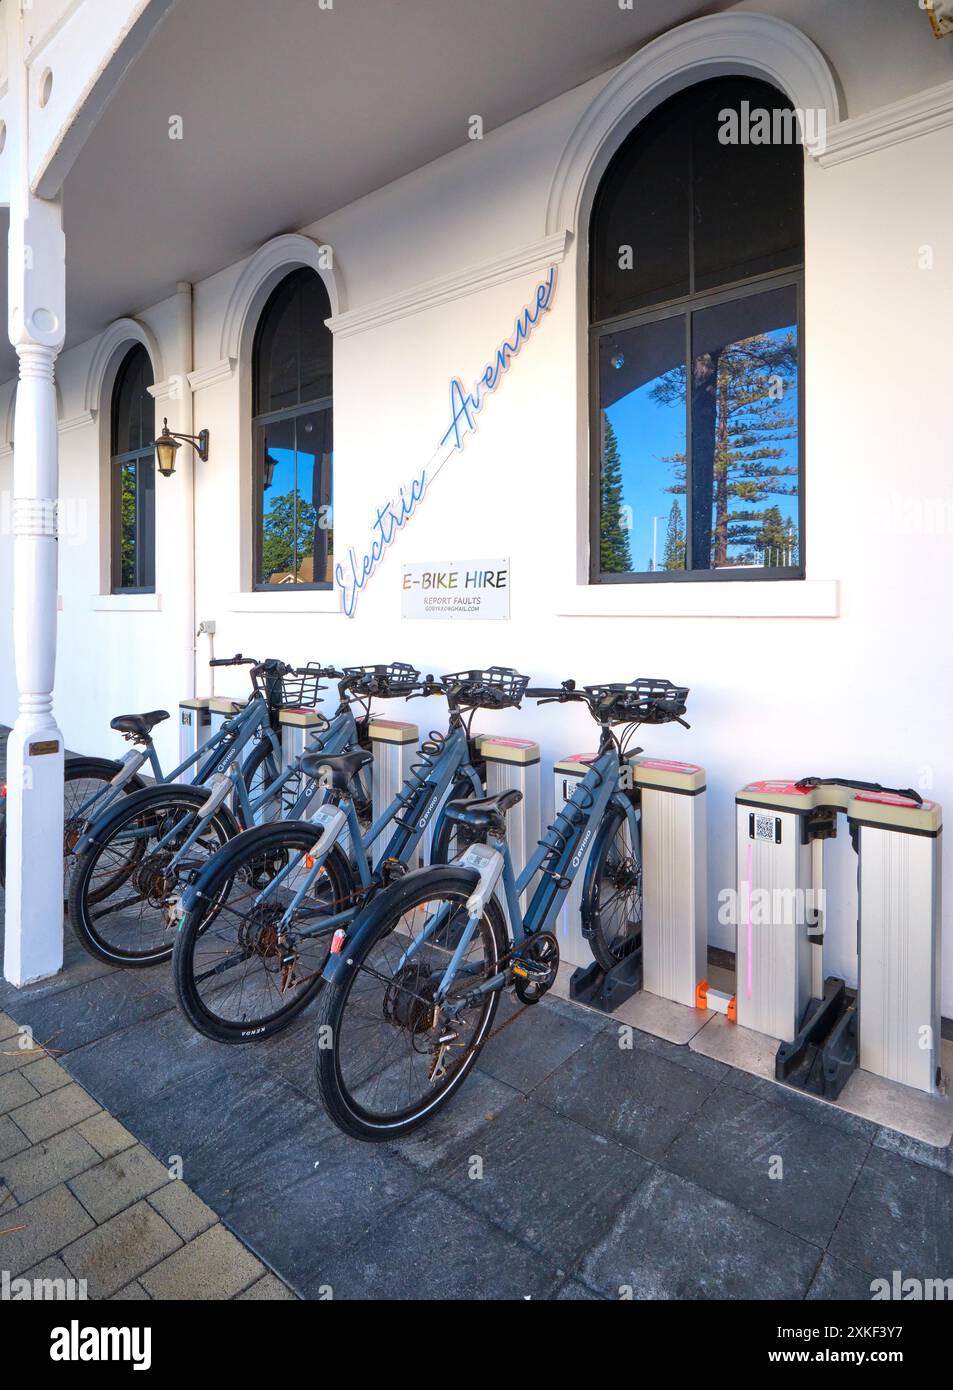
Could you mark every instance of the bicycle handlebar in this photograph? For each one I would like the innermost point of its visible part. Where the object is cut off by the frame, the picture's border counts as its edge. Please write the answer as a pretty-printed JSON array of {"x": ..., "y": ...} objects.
[{"x": 236, "y": 660}]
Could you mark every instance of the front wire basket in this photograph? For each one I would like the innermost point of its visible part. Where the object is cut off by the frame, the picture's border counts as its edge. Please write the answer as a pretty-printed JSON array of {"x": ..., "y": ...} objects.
[
  {"x": 497, "y": 687},
  {"x": 295, "y": 689},
  {"x": 399, "y": 678},
  {"x": 642, "y": 701}
]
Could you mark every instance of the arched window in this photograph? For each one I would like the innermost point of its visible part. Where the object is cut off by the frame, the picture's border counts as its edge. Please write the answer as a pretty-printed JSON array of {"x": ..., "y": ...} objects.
[
  {"x": 293, "y": 436},
  {"x": 695, "y": 304},
  {"x": 132, "y": 477}
]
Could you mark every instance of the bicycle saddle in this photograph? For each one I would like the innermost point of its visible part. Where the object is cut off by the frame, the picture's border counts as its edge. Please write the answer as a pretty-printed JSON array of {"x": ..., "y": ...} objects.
[
  {"x": 138, "y": 724},
  {"x": 485, "y": 812},
  {"x": 342, "y": 767}
]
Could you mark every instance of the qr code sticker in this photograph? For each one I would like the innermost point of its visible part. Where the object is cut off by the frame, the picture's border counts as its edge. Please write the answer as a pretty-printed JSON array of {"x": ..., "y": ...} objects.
[{"x": 764, "y": 828}]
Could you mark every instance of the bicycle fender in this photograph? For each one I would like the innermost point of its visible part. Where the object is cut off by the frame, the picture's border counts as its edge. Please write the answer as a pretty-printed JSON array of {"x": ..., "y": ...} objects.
[
  {"x": 389, "y": 901},
  {"x": 102, "y": 827}
]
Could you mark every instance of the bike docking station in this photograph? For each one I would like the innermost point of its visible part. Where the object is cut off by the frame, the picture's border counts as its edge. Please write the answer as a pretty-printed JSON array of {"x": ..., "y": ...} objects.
[
  {"x": 669, "y": 959},
  {"x": 890, "y": 1026},
  {"x": 195, "y": 728},
  {"x": 514, "y": 764},
  {"x": 394, "y": 745}
]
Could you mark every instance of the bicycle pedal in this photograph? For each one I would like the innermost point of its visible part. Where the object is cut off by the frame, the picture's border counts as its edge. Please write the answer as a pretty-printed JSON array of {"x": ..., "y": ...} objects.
[
  {"x": 533, "y": 967},
  {"x": 392, "y": 869}
]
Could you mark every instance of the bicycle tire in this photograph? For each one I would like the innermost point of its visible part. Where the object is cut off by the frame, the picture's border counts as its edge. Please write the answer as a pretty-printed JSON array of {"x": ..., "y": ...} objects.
[
  {"x": 614, "y": 871},
  {"x": 75, "y": 770},
  {"x": 445, "y": 881},
  {"x": 143, "y": 804},
  {"x": 222, "y": 872}
]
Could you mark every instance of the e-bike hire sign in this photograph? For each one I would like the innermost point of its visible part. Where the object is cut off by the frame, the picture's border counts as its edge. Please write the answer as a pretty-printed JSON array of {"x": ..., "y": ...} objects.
[
  {"x": 352, "y": 576},
  {"x": 456, "y": 589}
]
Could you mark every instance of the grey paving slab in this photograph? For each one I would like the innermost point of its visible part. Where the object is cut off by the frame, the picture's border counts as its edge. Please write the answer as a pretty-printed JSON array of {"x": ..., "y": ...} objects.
[
  {"x": 148, "y": 1057},
  {"x": 837, "y": 1282},
  {"x": 770, "y": 1160},
  {"x": 312, "y": 1192},
  {"x": 530, "y": 1043},
  {"x": 435, "y": 1248},
  {"x": 811, "y": 1107},
  {"x": 916, "y": 1150},
  {"x": 212, "y": 1266},
  {"x": 39, "y": 1228},
  {"x": 112, "y": 1255},
  {"x": 633, "y": 1095},
  {"x": 224, "y": 1128},
  {"x": 47, "y": 1115},
  {"x": 477, "y": 1105},
  {"x": 78, "y": 966},
  {"x": 44, "y": 1165},
  {"x": 545, "y": 1179},
  {"x": 117, "y": 1182},
  {"x": 899, "y": 1217},
  {"x": 575, "y": 1292},
  {"x": 13, "y": 1057},
  {"x": 673, "y": 1240},
  {"x": 73, "y": 1017}
]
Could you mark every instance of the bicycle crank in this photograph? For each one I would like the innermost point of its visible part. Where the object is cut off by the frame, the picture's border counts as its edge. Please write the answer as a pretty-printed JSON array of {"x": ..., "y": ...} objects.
[{"x": 534, "y": 966}]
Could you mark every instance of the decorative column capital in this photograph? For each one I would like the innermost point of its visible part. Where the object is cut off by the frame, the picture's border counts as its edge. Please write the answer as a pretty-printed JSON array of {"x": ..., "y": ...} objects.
[{"x": 37, "y": 361}]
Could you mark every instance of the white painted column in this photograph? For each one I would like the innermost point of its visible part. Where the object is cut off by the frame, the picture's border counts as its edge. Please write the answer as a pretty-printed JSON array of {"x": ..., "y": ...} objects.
[{"x": 33, "y": 940}]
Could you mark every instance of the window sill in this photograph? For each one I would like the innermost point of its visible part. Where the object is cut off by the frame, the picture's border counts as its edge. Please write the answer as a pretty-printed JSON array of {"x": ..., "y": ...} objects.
[
  {"x": 126, "y": 603},
  {"x": 783, "y": 598},
  {"x": 310, "y": 601}
]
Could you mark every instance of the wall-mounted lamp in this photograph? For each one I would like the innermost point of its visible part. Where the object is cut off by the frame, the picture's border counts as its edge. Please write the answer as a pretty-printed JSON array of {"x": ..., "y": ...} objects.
[
  {"x": 168, "y": 444},
  {"x": 941, "y": 16}
]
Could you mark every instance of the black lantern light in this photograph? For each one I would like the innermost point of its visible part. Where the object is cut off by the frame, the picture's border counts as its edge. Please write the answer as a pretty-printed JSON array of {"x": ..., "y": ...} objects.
[{"x": 169, "y": 442}]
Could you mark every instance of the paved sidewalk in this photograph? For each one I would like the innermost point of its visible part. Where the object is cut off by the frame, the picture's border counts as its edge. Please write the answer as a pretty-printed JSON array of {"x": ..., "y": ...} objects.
[{"x": 86, "y": 1206}]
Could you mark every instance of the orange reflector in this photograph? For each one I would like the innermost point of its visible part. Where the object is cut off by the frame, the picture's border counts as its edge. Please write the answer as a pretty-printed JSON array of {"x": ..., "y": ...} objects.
[
  {"x": 337, "y": 941},
  {"x": 309, "y": 861},
  {"x": 701, "y": 994},
  {"x": 733, "y": 1009}
]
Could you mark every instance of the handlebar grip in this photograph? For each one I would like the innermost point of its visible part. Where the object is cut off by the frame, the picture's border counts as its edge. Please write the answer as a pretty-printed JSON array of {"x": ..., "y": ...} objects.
[{"x": 236, "y": 660}]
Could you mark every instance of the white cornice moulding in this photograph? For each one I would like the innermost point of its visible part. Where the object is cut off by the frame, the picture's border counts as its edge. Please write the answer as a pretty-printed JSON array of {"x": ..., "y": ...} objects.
[
  {"x": 453, "y": 286},
  {"x": 168, "y": 390},
  {"x": 211, "y": 376},
  {"x": 77, "y": 422},
  {"x": 906, "y": 119}
]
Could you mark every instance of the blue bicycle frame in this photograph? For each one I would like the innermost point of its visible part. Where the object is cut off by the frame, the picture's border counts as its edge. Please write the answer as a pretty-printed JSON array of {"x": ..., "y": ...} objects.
[
  {"x": 409, "y": 813},
  {"x": 565, "y": 846}
]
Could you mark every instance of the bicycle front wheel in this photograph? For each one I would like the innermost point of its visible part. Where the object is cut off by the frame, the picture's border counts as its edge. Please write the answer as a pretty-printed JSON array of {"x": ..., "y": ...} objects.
[
  {"x": 388, "y": 1054},
  {"x": 123, "y": 901},
  {"x": 612, "y": 908},
  {"x": 242, "y": 971}
]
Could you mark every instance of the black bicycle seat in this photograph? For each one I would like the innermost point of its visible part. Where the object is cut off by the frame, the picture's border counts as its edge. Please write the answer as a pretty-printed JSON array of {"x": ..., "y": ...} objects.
[
  {"x": 485, "y": 812},
  {"x": 341, "y": 767},
  {"x": 138, "y": 724}
]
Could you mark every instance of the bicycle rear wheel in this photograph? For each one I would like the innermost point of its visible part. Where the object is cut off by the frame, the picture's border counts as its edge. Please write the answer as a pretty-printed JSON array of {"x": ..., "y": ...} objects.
[
  {"x": 612, "y": 905},
  {"x": 387, "y": 1056},
  {"x": 240, "y": 975},
  {"x": 85, "y": 782},
  {"x": 123, "y": 903}
]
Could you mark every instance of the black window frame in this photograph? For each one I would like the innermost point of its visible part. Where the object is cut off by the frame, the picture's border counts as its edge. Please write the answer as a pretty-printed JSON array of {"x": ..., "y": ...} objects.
[
  {"x": 687, "y": 306},
  {"x": 272, "y": 417},
  {"x": 117, "y": 462}
]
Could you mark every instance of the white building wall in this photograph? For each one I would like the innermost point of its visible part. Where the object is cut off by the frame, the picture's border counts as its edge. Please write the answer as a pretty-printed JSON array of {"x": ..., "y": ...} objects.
[{"x": 861, "y": 694}]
